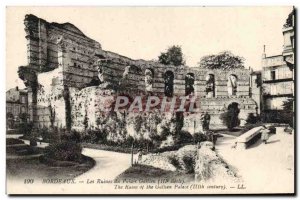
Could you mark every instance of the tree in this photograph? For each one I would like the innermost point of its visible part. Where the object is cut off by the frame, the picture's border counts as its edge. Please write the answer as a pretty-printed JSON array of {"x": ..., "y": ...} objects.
[
  {"x": 223, "y": 60},
  {"x": 289, "y": 20},
  {"x": 173, "y": 56}
]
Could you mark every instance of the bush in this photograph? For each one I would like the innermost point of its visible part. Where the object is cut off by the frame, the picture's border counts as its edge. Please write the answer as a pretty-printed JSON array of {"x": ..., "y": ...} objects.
[
  {"x": 45, "y": 134},
  {"x": 48, "y": 135},
  {"x": 199, "y": 137},
  {"x": 25, "y": 128},
  {"x": 174, "y": 161},
  {"x": 231, "y": 117},
  {"x": 167, "y": 148},
  {"x": 95, "y": 136},
  {"x": 272, "y": 129},
  {"x": 33, "y": 142},
  {"x": 252, "y": 119},
  {"x": 64, "y": 151},
  {"x": 189, "y": 164},
  {"x": 128, "y": 141},
  {"x": 184, "y": 137},
  {"x": 12, "y": 141},
  {"x": 279, "y": 116},
  {"x": 75, "y": 136}
]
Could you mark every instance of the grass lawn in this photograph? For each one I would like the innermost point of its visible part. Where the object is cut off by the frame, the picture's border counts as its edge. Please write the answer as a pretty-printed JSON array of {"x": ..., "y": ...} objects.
[
  {"x": 12, "y": 132},
  {"x": 105, "y": 147},
  {"x": 145, "y": 171},
  {"x": 12, "y": 141},
  {"x": 125, "y": 149},
  {"x": 25, "y": 161},
  {"x": 33, "y": 168}
]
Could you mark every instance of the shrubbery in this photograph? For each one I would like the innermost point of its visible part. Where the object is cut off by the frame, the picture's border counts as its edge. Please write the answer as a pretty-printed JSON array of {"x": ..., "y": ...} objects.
[
  {"x": 230, "y": 117},
  {"x": 175, "y": 162},
  {"x": 189, "y": 164},
  {"x": 184, "y": 137},
  {"x": 12, "y": 141},
  {"x": 64, "y": 151},
  {"x": 252, "y": 119},
  {"x": 25, "y": 128},
  {"x": 199, "y": 137},
  {"x": 278, "y": 116}
]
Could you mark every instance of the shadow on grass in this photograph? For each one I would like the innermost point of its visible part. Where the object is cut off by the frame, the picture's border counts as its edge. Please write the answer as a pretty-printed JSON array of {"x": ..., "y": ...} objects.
[{"x": 22, "y": 163}]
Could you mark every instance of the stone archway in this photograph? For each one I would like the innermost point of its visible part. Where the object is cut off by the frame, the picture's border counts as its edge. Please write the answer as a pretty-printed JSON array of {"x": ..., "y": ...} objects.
[
  {"x": 210, "y": 86},
  {"x": 189, "y": 83},
  {"x": 232, "y": 85},
  {"x": 169, "y": 83},
  {"x": 149, "y": 75}
]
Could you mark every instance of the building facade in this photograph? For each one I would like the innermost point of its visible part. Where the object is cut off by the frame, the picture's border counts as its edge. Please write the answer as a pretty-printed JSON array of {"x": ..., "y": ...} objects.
[
  {"x": 68, "y": 76},
  {"x": 278, "y": 75},
  {"x": 16, "y": 104}
]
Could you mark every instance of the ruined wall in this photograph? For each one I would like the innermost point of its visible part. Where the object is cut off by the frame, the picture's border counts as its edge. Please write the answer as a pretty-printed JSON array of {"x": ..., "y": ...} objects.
[
  {"x": 114, "y": 69},
  {"x": 75, "y": 75},
  {"x": 50, "y": 99},
  {"x": 46, "y": 42}
]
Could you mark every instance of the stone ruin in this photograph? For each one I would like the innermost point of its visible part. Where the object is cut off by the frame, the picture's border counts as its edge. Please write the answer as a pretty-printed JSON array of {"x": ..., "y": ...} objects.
[{"x": 68, "y": 74}]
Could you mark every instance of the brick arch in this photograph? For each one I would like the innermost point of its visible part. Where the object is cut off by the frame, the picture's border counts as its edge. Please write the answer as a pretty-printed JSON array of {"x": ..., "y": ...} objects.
[
  {"x": 232, "y": 74},
  {"x": 210, "y": 85},
  {"x": 232, "y": 89},
  {"x": 189, "y": 83},
  {"x": 149, "y": 68},
  {"x": 233, "y": 101},
  {"x": 149, "y": 80},
  {"x": 169, "y": 77},
  {"x": 168, "y": 68}
]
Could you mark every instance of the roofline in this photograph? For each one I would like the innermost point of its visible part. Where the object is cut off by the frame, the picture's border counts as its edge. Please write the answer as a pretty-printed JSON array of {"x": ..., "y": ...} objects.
[{"x": 273, "y": 56}]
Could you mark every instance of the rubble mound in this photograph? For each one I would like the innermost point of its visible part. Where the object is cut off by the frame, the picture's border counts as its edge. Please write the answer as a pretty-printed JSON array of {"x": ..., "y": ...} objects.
[
  {"x": 201, "y": 161},
  {"x": 209, "y": 167}
]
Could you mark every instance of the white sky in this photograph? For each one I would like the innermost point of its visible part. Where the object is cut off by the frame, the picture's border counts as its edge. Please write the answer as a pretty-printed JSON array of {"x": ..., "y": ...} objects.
[{"x": 144, "y": 32}]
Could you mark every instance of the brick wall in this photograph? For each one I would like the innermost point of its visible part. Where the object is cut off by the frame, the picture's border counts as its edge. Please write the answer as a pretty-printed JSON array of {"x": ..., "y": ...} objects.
[{"x": 67, "y": 60}]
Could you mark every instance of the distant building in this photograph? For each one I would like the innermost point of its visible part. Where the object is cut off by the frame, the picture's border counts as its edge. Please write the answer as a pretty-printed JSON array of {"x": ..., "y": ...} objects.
[
  {"x": 278, "y": 74},
  {"x": 16, "y": 103}
]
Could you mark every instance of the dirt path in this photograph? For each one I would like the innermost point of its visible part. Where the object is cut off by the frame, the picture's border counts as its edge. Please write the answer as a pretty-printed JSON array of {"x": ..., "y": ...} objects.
[
  {"x": 108, "y": 164},
  {"x": 262, "y": 165}
]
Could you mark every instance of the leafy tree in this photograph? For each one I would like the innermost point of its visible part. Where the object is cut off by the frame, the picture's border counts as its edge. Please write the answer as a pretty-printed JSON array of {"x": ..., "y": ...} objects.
[
  {"x": 223, "y": 60},
  {"x": 173, "y": 56},
  {"x": 289, "y": 20}
]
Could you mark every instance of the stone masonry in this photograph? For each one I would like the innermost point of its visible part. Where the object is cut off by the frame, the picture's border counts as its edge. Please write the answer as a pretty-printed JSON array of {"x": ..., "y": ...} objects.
[{"x": 68, "y": 74}]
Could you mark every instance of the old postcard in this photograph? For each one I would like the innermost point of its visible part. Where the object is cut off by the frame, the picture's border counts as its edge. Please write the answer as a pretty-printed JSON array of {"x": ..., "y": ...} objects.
[{"x": 150, "y": 100}]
